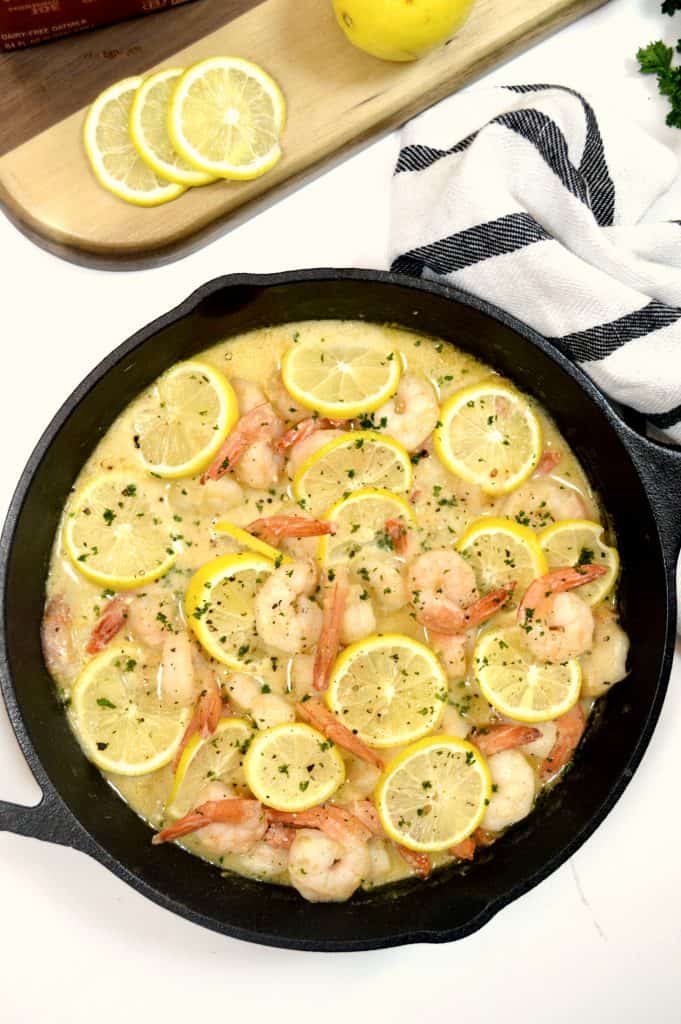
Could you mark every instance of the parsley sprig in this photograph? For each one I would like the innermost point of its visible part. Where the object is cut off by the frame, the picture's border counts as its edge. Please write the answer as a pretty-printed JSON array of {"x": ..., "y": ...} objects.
[{"x": 658, "y": 59}]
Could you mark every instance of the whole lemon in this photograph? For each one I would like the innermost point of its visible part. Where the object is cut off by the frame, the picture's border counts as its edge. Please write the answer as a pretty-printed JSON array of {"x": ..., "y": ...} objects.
[{"x": 400, "y": 29}]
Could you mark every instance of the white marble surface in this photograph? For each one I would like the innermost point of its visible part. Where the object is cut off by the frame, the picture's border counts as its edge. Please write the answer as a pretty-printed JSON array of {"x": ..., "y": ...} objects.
[{"x": 599, "y": 941}]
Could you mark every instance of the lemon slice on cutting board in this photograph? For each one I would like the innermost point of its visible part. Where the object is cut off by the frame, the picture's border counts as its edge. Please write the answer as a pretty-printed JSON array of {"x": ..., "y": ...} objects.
[
  {"x": 360, "y": 520},
  {"x": 580, "y": 542},
  {"x": 340, "y": 379},
  {"x": 220, "y": 609},
  {"x": 149, "y": 130},
  {"x": 226, "y": 117},
  {"x": 114, "y": 532},
  {"x": 219, "y": 758},
  {"x": 115, "y": 161},
  {"x": 489, "y": 435},
  {"x": 118, "y": 717},
  {"x": 501, "y": 551},
  {"x": 293, "y": 767},
  {"x": 388, "y": 689},
  {"x": 520, "y": 686},
  {"x": 434, "y": 794},
  {"x": 182, "y": 421},
  {"x": 350, "y": 463}
]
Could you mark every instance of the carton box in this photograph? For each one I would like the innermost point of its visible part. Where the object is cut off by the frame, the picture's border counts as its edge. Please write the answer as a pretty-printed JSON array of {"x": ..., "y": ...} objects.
[{"x": 26, "y": 22}]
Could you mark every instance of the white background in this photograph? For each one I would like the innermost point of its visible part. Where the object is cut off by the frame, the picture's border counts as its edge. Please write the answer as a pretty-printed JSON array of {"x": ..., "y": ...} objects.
[{"x": 599, "y": 941}]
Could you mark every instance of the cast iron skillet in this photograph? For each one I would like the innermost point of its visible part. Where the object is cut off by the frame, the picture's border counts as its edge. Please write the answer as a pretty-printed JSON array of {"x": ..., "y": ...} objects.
[{"x": 640, "y": 484}]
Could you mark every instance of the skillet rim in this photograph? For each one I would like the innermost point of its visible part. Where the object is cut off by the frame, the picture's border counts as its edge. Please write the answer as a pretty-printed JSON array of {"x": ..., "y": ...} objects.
[{"x": 67, "y": 827}]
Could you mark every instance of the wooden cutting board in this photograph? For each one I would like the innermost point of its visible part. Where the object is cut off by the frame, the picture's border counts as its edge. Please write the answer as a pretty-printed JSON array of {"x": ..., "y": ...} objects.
[{"x": 337, "y": 96}]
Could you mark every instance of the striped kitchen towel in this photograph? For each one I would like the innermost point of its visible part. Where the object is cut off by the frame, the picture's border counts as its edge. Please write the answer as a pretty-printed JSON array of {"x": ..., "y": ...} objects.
[{"x": 526, "y": 197}]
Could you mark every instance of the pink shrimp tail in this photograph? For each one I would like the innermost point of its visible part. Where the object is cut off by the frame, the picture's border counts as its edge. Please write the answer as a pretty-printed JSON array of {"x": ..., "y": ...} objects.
[
  {"x": 450, "y": 619},
  {"x": 275, "y": 528},
  {"x": 253, "y": 426},
  {"x": 569, "y": 731},
  {"x": 318, "y": 715},
  {"x": 304, "y": 429},
  {"x": 332, "y": 622},
  {"x": 108, "y": 625},
  {"x": 207, "y": 713},
  {"x": 228, "y": 812},
  {"x": 548, "y": 462},
  {"x": 335, "y": 821},
  {"x": 279, "y": 836},
  {"x": 504, "y": 737},
  {"x": 465, "y": 850},
  {"x": 557, "y": 581},
  {"x": 399, "y": 535},
  {"x": 418, "y": 862}
]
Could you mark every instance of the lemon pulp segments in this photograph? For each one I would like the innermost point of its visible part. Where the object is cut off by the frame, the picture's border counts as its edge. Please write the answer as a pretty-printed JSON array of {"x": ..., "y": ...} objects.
[
  {"x": 356, "y": 460},
  {"x": 115, "y": 161},
  {"x": 488, "y": 435},
  {"x": 433, "y": 795},
  {"x": 293, "y": 767},
  {"x": 501, "y": 552},
  {"x": 149, "y": 130},
  {"x": 580, "y": 541},
  {"x": 519, "y": 686},
  {"x": 340, "y": 380},
  {"x": 184, "y": 419},
  {"x": 225, "y": 118},
  {"x": 388, "y": 689},
  {"x": 122, "y": 724},
  {"x": 219, "y": 758},
  {"x": 219, "y": 605},
  {"x": 114, "y": 533},
  {"x": 360, "y": 520}
]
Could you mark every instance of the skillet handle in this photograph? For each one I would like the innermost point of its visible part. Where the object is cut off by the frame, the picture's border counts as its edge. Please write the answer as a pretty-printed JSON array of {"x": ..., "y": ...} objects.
[
  {"x": 660, "y": 468},
  {"x": 49, "y": 820}
]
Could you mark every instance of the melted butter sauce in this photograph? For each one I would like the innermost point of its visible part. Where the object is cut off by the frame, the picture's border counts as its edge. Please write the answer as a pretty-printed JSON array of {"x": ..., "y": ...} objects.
[{"x": 255, "y": 356}]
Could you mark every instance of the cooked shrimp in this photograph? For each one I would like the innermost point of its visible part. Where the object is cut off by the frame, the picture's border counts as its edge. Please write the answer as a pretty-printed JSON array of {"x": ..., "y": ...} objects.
[
  {"x": 335, "y": 601},
  {"x": 306, "y": 428},
  {"x": 465, "y": 850},
  {"x": 359, "y": 619},
  {"x": 222, "y": 822},
  {"x": 541, "y": 501},
  {"x": 275, "y": 528},
  {"x": 542, "y": 745},
  {"x": 513, "y": 792},
  {"x": 496, "y": 738},
  {"x": 279, "y": 836},
  {"x": 569, "y": 731},
  {"x": 242, "y": 689},
  {"x": 56, "y": 633},
  {"x": 360, "y": 779},
  {"x": 319, "y": 716},
  {"x": 269, "y": 709},
  {"x": 285, "y": 405},
  {"x": 109, "y": 624},
  {"x": 303, "y": 449},
  {"x": 207, "y": 711},
  {"x": 385, "y": 577},
  {"x": 451, "y": 651},
  {"x": 420, "y": 863},
  {"x": 249, "y": 450},
  {"x": 548, "y": 462},
  {"x": 558, "y": 625},
  {"x": 329, "y": 857},
  {"x": 454, "y": 724},
  {"x": 301, "y": 675},
  {"x": 606, "y": 663},
  {"x": 379, "y": 859},
  {"x": 444, "y": 594},
  {"x": 177, "y": 681},
  {"x": 365, "y": 811},
  {"x": 248, "y": 394},
  {"x": 213, "y": 498},
  {"x": 412, "y": 413},
  {"x": 264, "y": 861},
  {"x": 151, "y": 618},
  {"x": 286, "y": 617}
]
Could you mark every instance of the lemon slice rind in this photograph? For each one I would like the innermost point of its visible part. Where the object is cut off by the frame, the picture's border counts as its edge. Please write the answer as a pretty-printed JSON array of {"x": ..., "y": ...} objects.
[
  {"x": 585, "y": 534},
  {"x": 520, "y": 558}
]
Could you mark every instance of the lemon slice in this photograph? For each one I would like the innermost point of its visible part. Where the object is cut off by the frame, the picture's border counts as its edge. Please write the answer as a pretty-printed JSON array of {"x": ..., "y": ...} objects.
[
  {"x": 360, "y": 521},
  {"x": 114, "y": 533},
  {"x": 340, "y": 378},
  {"x": 149, "y": 130},
  {"x": 225, "y": 118},
  {"x": 116, "y": 163},
  {"x": 349, "y": 463},
  {"x": 120, "y": 721},
  {"x": 246, "y": 540},
  {"x": 220, "y": 758},
  {"x": 577, "y": 542},
  {"x": 488, "y": 435},
  {"x": 433, "y": 795},
  {"x": 219, "y": 605},
  {"x": 500, "y": 552},
  {"x": 388, "y": 690},
  {"x": 518, "y": 685},
  {"x": 182, "y": 421},
  {"x": 292, "y": 767}
]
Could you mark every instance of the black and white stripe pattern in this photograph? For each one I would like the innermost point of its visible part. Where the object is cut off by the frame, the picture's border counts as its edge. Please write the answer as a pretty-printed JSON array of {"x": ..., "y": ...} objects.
[{"x": 524, "y": 197}]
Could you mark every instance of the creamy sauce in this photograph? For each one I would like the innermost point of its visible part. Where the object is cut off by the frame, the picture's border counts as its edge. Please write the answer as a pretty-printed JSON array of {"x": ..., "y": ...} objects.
[{"x": 196, "y": 510}]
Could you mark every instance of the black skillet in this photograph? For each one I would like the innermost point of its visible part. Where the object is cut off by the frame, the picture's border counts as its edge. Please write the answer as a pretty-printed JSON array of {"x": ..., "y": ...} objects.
[{"x": 640, "y": 483}]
